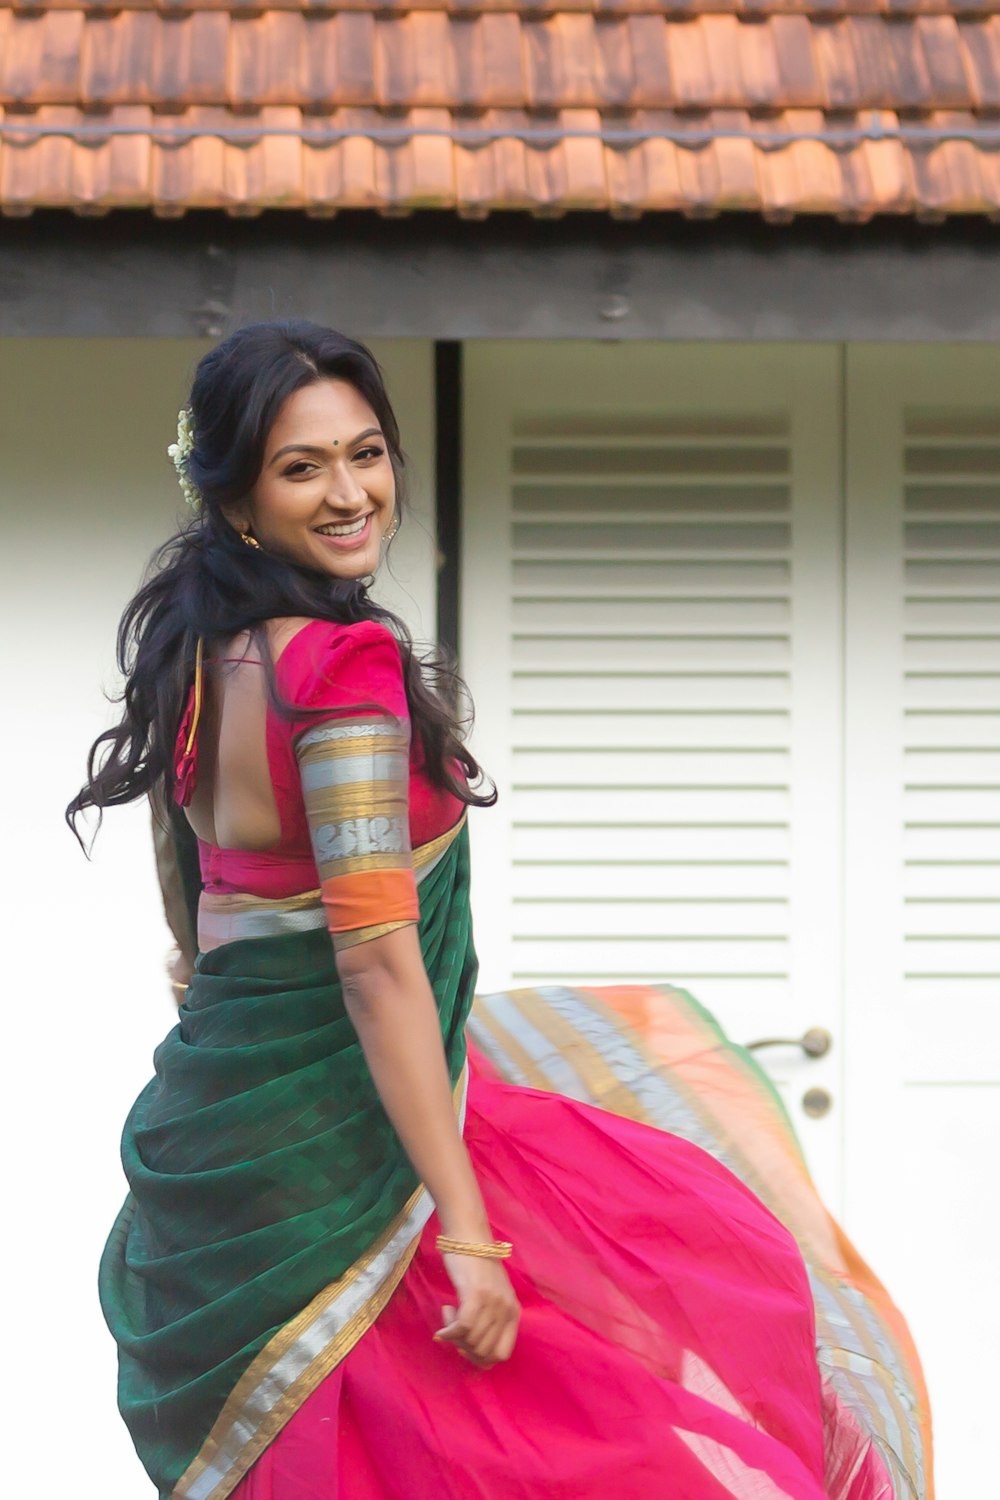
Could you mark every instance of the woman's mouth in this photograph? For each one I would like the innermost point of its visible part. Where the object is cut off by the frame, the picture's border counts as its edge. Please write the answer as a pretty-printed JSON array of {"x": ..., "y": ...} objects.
[{"x": 346, "y": 535}]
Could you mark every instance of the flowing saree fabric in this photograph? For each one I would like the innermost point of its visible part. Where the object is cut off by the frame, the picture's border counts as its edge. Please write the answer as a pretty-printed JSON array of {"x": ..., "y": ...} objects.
[
  {"x": 666, "y": 1346},
  {"x": 654, "y": 1055},
  {"x": 271, "y": 1208},
  {"x": 651, "y": 1055}
]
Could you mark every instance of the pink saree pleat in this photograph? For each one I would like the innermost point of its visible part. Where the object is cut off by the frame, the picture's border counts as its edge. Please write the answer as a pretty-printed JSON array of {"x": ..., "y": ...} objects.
[{"x": 666, "y": 1345}]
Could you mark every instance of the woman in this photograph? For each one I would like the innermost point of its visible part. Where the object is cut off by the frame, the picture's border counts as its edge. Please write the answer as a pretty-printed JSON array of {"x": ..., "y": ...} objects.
[{"x": 312, "y": 1282}]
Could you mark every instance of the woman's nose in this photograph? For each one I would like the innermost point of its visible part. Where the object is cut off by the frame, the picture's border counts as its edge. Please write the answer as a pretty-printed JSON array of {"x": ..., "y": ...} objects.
[{"x": 345, "y": 487}]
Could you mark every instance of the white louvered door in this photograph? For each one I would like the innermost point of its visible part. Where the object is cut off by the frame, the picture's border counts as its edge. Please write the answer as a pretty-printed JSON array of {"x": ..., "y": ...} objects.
[
  {"x": 922, "y": 764},
  {"x": 651, "y": 629}
]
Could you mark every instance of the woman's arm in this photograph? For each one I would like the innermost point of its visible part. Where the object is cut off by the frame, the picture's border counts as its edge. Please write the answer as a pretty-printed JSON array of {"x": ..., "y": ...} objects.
[
  {"x": 391, "y": 1005},
  {"x": 355, "y": 772}
]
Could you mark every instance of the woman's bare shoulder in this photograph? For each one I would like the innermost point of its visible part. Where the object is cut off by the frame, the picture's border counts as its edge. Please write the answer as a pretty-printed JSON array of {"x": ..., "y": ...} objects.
[
  {"x": 283, "y": 630},
  {"x": 278, "y": 633}
]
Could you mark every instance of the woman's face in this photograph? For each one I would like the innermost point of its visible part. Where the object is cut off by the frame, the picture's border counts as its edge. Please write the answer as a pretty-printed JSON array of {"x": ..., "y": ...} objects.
[{"x": 326, "y": 494}]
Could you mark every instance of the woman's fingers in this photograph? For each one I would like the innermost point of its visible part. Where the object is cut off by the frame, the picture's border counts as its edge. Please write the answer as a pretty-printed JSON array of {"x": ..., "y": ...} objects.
[
  {"x": 466, "y": 1326},
  {"x": 484, "y": 1325},
  {"x": 454, "y": 1330},
  {"x": 506, "y": 1341},
  {"x": 485, "y": 1334}
]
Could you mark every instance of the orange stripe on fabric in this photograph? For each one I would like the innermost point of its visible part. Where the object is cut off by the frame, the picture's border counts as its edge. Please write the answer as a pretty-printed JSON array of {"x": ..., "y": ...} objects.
[
  {"x": 369, "y": 898},
  {"x": 739, "y": 1110}
]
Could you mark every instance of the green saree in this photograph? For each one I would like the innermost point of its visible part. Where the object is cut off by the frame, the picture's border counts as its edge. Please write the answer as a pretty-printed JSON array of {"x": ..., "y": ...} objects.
[{"x": 271, "y": 1209}]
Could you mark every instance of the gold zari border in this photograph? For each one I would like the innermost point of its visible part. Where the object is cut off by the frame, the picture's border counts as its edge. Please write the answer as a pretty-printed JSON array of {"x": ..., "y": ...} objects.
[
  {"x": 316, "y": 1371},
  {"x": 426, "y": 854}
]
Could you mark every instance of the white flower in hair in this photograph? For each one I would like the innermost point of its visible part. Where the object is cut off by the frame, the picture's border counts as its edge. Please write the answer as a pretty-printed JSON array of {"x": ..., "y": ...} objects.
[{"x": 180, "y": 452}]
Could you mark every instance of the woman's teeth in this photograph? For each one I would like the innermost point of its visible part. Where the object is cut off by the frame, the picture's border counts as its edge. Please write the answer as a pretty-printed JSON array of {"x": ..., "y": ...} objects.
[{"x": 350, "y": 529}]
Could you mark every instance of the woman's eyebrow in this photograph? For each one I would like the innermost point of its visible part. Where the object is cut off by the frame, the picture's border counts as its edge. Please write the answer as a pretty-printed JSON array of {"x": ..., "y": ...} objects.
[{"x": 321, "y": 448}]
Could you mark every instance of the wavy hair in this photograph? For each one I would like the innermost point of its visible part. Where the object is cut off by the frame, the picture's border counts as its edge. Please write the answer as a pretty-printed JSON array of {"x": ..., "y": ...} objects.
[{"x": 203, "y": 583}]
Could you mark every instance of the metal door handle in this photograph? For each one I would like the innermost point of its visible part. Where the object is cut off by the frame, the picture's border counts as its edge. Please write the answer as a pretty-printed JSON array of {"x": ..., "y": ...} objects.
[{"x": 816, "y": 1042}]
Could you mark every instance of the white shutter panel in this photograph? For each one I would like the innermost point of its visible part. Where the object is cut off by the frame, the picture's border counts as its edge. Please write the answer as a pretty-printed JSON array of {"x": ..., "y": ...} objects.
[
  {"x": 951, "y": 726},
  {"x": 650, "y": 629},
  {"x": 650, "y": 657},
  {"x": 923, "y": 861}
]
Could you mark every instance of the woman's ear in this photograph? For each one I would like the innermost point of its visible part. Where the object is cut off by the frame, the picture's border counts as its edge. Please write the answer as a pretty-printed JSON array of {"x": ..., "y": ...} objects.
[{"x": 238, "y": 515}]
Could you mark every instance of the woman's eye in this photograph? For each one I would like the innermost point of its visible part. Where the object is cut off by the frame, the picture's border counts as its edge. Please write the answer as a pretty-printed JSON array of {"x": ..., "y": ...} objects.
[
  {"x": 370, "y": 452},
  {"x": 298, "y": 469}
]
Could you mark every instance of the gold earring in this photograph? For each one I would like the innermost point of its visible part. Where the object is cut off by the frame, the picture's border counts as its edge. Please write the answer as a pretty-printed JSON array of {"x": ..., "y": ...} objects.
[
  {"x": 249, "y": 541},
  {"x": 392, "y": 529}
]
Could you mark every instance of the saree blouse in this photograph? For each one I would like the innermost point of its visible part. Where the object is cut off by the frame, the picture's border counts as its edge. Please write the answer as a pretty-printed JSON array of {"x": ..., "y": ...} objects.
[{"x": 350, "y": 786}]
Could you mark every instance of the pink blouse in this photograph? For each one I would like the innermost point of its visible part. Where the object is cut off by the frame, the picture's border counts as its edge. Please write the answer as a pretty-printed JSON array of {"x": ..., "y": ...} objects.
[{"x": 345, "y": 669}]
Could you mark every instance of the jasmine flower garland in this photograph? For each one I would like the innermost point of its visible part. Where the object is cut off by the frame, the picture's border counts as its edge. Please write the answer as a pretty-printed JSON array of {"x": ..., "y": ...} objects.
[{"x": 180, "y": 452}]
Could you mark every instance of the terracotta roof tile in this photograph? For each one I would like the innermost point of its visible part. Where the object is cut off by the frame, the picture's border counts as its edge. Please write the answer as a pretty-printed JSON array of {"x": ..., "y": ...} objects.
[
  {"x": 614, "y": 62},
  {"x": 431, "y": 162},
  {"x": 837, "y": 64},
  {"x": 723, "y": 43},
  {"x": 37, "y": 171},
  {"x": 545, "y": 81},
  {"x": 494, "y": 173},
  {"x": 585, "y": 161},
  {"x": 659, "y": 181},
  {"x": 944, "y": 55},
  {"x": 738, "y": 181},
  {"x": 890, "y": 165},
  {"x": 350, "y": 43},
  {"x": 488, "y": 61},
  {"x": 947, "y": 177},
  {"x": 690, "y": 73},
  {"x": 41, "y": 56},
  {"x": 981, "y": 50},
  {"x": 760, "y": 69},
  {"x": 653, "y": 73},
  {"x": 872, "y": 63},
  {"x": 189, "y": 63},
  {"x": 797, "y": 69},
  {"x": 264, "y": 61},
  {"x": 413, "y": 61},
  {"x": 778, "y": 107},
  {"x": 115, "y": 48},
  {"x": 189, "y": 173},
  {"x": 908, "y": 72},
  {"x": 804, "y": 176}
]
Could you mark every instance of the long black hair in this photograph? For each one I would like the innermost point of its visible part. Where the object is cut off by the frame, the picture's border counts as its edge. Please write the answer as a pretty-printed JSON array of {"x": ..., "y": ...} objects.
[{"x": 205, "y": 584}]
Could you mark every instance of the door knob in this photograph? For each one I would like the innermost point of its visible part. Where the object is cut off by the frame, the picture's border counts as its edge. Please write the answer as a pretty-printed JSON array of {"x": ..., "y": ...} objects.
[{"x": 816, "y": 1042}]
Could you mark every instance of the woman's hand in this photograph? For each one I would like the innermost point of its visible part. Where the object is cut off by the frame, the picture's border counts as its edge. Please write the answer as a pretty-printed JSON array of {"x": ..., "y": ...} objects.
[{"x": 484, "y": 1326}]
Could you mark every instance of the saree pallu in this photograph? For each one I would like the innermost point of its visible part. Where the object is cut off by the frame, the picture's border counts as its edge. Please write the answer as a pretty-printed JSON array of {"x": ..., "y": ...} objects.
[
  {"x": 666, "y": 1346},
  {"x": 654, "y": 1055},
  {"x": 271, "y": 1209}
]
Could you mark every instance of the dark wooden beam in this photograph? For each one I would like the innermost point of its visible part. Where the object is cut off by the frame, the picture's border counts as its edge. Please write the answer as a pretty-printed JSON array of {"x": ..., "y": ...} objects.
[{"x": 434, "y": 276}]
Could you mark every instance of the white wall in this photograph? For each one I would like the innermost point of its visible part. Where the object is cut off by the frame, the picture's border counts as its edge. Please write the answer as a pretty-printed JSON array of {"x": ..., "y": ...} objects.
[{"x": 86, "y": 493}]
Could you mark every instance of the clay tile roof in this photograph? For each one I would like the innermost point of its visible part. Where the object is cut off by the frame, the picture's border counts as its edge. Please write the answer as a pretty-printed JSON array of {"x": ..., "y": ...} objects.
[{"x": 774, "y": 107}]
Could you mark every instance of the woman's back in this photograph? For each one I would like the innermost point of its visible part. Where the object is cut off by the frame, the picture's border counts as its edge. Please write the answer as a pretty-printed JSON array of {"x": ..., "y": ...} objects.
[
  {"x": 246, "y": 806},
  {"x": 233, "y": 805}
]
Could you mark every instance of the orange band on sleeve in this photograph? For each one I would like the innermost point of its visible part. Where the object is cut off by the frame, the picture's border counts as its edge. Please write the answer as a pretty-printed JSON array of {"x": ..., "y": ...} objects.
[{"x": 369, "y": 897}]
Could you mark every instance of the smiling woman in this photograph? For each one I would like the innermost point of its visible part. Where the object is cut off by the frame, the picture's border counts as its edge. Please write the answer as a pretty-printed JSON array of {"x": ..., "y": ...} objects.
[
  {"x": 308, "y": 1281},
  {"x": 327, "y": 503},
  {"x": 289, "y": 435}
]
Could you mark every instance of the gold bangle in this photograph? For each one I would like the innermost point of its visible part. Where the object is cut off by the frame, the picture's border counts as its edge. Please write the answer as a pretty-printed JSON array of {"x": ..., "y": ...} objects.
[{"x": 488, "y": 1249}]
